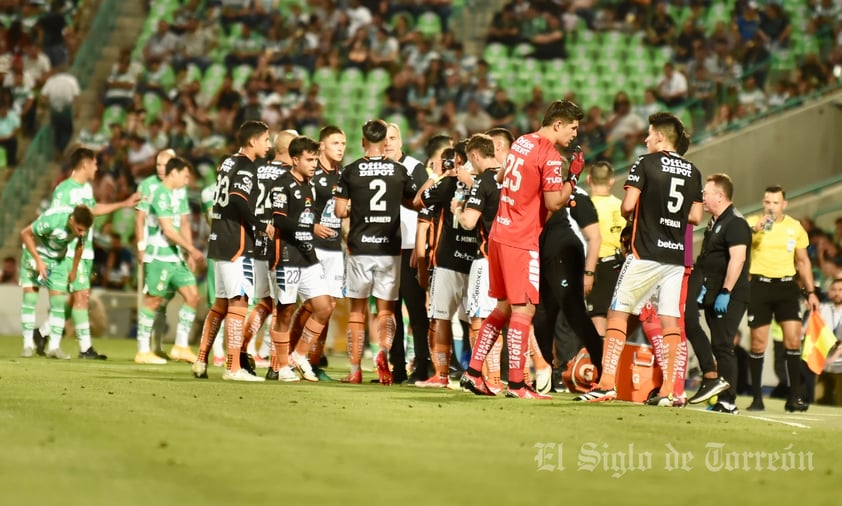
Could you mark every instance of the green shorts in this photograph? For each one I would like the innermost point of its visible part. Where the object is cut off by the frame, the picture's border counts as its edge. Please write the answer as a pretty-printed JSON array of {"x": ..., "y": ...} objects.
[
  {"x": 56, "y": 275},
  {"x": 83, "y": 274},
  {"x": 164, "y": 277}
]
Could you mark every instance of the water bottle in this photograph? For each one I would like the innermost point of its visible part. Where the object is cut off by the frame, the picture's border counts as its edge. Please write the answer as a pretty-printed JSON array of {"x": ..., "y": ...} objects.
[
  {"x": 770, "y": 220},
  {"x": 459, "y": 196}
]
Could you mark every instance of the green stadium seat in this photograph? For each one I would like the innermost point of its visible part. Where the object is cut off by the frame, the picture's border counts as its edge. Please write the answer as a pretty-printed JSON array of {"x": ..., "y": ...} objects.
[
  {"x": 241, "y": 74},
  {"x": 429, "y": 24},
  {"x": 153, "y": 105},
  {"x": 113, "y": 114},
  {"x": 378, "y": 79}
]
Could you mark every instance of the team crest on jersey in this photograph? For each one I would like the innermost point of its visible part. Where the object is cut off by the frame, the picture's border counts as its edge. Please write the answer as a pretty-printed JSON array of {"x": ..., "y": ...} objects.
[{"x": 280, "y": 200}]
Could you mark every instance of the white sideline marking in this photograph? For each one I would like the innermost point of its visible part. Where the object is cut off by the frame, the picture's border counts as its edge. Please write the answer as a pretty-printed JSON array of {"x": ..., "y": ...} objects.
[{"x": 791, "y": 424}]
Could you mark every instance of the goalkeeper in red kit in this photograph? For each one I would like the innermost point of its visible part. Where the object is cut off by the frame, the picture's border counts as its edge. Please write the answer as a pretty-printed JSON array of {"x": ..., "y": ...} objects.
[{"x": 533, "y": 187}]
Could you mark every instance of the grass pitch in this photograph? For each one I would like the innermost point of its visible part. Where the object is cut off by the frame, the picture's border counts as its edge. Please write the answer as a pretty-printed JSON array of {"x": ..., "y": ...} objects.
[{"x": 79, "y": 432}]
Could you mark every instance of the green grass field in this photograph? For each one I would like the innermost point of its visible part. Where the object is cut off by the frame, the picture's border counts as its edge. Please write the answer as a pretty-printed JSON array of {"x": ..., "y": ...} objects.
[{"x": 117, "y": 433}]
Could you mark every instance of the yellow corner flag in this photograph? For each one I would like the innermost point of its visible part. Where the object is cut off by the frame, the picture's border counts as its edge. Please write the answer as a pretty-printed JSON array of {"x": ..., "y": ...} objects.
[{"x": 818, "y": 340}]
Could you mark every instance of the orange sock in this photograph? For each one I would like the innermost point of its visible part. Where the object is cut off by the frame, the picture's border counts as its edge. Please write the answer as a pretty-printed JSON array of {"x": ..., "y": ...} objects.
[
  {"x": 386, "y": 329},
  {"x": 254, "y": 321},
  {"x": 615, "y": 340},
  {"x": 309, "y": 336},
  {"x": 234, "y": 336},
  {"x": 492, "y": 362},
  {"x": 537, "y": 356},
  {"x": 318, "y": 347},
  {"x": 280, "y": 349},
  {"x": 672, "y": 340},
  {"x": 444, "y": 347},
  {"x": 299, "y": 319},
  {"x": 356, "y": 339},
  {"x": 209, "y": 331}
]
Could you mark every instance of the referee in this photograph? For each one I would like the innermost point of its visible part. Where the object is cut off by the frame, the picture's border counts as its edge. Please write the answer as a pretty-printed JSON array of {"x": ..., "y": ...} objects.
[{"x": 778, "y": 251}]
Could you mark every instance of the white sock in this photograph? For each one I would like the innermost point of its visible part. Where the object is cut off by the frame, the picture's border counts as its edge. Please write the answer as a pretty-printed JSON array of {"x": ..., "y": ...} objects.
[{"x": 44, "y": 329}]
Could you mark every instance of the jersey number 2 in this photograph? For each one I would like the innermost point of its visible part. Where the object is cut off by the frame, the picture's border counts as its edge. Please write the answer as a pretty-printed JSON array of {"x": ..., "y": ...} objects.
[{"x": 379, "y": 187}]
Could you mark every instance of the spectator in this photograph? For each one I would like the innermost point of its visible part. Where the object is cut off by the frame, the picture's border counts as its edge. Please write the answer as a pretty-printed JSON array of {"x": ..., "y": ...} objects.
[
  {"x": 358, "y": 16},
  {"x": 92, "y": 136},
  {"x": 51, "y": 30},
  {"x": 591, "y": 131},
  {"x": 748, "y": 21},
  {"x": 623, "y": 121},
  {"x": 384, "y": 50},
  {"x": 688, "y": 38},
  {"x": 660, "y": 27},
  {"x": 775, "y": 28},
  {"x": 195, "y": 46},
  {"x": 502, "y": 110},
  {"x": 161, "y": 44},
  {"x": 504, "y": 26},
  {"x": 422, "y": 96},
  {"x": 703, "y": 96},
  {"x": 120, "y": 86},
  {"x": 650, "y": 104},
  {"x": 474, "y": 119},
  {"x": 117, "y": 271},
  {"x": 36, "y": 64},
  {"x": 722, "y": 120},
  {"x": 751, "y": 97},
  {"x": 244, "y": 49},
  {"x": 140, "y": 157},
  {"x": 9, "y": 276},
  {"x": 549, "y": 43},
  {"x": 780, "y": 94},
  {"x": 756, "y": 60},
  {"x": 23, "y": 99},
  {"x": 178, "y": 138},
  {"x": 9, "y": 128},
  {"x": 672, "y": 88}
]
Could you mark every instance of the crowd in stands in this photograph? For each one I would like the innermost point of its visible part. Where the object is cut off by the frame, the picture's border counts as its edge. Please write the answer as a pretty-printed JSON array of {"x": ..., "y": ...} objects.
[{"x": 36, "y": 37}]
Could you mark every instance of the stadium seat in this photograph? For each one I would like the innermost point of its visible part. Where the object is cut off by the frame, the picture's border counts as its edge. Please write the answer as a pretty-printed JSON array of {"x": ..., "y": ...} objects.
[
  {"x": 240, "y": 75},
  {"x": 429, "y": 24},
  {"x": 495, "y": 52},
  {"x": 153, "y": 105},
  {"x": 378, "y": 79},
  {"x": 113, "y": 114}
]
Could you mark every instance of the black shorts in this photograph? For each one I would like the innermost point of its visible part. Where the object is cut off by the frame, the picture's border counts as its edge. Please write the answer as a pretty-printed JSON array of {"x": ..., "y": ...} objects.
[
  {"x": 781, "y": 299},
  {"x": 605, "y": 279}
]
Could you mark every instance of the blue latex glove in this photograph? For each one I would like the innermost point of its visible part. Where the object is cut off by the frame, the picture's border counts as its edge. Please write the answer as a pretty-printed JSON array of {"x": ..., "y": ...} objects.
[
  {"x": 720, "y": 305},
  {"x": 701, "y": 296}
]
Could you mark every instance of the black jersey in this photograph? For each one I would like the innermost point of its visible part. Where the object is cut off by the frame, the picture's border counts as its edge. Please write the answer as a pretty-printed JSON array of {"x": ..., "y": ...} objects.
[
  {"x": 485, "y": 197},
  {"x": 729, "y": 230},
  {"x": 268, "y": 172},
  {"x": 325, "y": 182},
  {"x": 375, "y": 186},
  {"x": 669, "y": 185},
  {"x": 454, "y": 247},
  {"x": 233, "y": 222},
  {"x": 292, "y": 209}
]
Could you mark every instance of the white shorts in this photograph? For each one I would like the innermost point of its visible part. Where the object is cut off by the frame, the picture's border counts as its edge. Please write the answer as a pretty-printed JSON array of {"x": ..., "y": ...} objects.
[
  {"x": 447, "y": 290},
  {"x": 308, "y": 282},
  {"x": 372, "y": 275},
  {"x": 640, "y": 280},
  {"x": 256, "y": 274},
  {"x": 333, "y": 266},
  {"x": 230, "y": 281},
  {"x": 478, "y": 304}
]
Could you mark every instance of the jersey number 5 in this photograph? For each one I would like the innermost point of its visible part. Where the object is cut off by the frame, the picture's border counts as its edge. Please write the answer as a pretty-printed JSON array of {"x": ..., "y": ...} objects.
[
  {"x": 676, "y": 198},
  {"x": 378, "y": 186}
]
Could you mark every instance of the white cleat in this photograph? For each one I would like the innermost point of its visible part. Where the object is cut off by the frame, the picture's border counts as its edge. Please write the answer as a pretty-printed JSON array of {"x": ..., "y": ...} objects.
[
  {"x": 240, "y": 375},
  {"x": 544, "y": 380}
]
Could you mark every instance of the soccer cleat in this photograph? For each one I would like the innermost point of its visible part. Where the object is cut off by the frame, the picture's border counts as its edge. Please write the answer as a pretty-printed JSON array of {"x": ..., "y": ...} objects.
[
  {"x": 526, "y": 393},
  {"x": 287, "y": 375},
  {"x": 260, "y": 362},
  {"x": 240, "y": 375},
  {"x": 544, "y": 380},
  {"x": 219, "y": 361},
  {"x": 91, "y": 354},
  {"x": 200, "y": 369},
  {"x": 58, "y": 354},
  {"x": 721, "y": 407},
  {"x": 353, "y": 377},
  {"x": 435, "y": 381},
  {"x": 40, "y": 342},
  {"x": 148, "y": 358},
  {"x": 383, "y": 371},
  {"x": 247, "y": 363},
  {"x": 597, "y": 394},
  {"x": 321, "y": 374},
  {"x": 756, "y": 405},
  {"x": 708, "y": 388},
  {"x": 161, "y": 354},
  {"x": 28, "y": 352},
  {"x": 495, "y": 387},
  {"x": 664, "y": 401},
  {"x": 183, "y": 354},
  {"x": 680, "y": 401},
  {"x": 475, "y": 384},
  {"x": 794, "y": 404},
  {"x": 302, "y": 365}
]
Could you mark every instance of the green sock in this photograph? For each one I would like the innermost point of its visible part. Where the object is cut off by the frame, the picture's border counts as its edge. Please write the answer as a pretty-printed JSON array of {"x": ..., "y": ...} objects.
[
  {"x": 83, "y": 328},
  {"x": 57, "y": 319},
  {"x": 186, "y": 315},
  {"x": 27, "y": 318},
  {"x": 144, "y": 329}
]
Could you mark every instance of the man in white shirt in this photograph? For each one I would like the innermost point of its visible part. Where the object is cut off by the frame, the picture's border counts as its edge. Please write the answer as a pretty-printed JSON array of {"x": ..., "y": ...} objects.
[
  {"x": 673, "y": 86},
  {"x": 60, "y": 91}
]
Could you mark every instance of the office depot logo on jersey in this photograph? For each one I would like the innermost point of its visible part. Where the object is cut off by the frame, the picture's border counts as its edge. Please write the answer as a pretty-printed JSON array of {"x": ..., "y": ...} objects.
[
  {"x": 676, "y": 166},
  {"x": 370, "y": 169}
]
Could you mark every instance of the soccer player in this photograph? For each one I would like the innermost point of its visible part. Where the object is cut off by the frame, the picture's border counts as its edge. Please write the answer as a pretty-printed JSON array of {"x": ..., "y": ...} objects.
[
  {"x": 410, "y": 294},
  {"x": 232, "y": 235},
  {"x": 329, "y": 249},
  {"x": 371, "y": 191},
  {"x": 45, "y": 246},
  {"x": 298, "y": 271},
  {"x": 167, "y": 270},
  {"x": 533, "y": 186},
  {"x": 454, "y": 250},
  {"x": 610, "y": 258},
  {"x": 478, "y": 214},
  {"x": 147, "y": 189},
  {"x": 73, "y": 191},
  {"x": 778, "y": 252},
  {"x": 664, "y": 194}
]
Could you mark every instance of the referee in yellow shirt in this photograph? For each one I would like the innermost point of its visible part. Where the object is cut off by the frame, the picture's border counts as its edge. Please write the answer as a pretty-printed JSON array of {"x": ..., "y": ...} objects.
[{"x": 778, "y": 251}]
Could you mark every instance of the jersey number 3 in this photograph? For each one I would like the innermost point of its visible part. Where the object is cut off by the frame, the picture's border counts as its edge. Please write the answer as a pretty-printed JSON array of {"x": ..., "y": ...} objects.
[{"x": 220, "y": 198}]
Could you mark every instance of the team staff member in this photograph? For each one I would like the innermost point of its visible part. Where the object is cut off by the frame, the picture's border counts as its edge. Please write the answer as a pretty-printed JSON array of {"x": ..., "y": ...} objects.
[
  {"x": 778, "y": 252},
  {"x": 533, "y": 187},
  {"x": 664, "y": 193},
  {"x": 610, "y": 258},
  {"x": 723, "y": 267},
  {"x": 371, "y": 191},
  {"x": 233, "y": 228},
  {"x": 411, "y": 294}
]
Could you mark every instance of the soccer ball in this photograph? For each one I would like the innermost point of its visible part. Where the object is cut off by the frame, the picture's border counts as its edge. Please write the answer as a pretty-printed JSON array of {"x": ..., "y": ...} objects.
[{"x": 580, "y": 373}]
